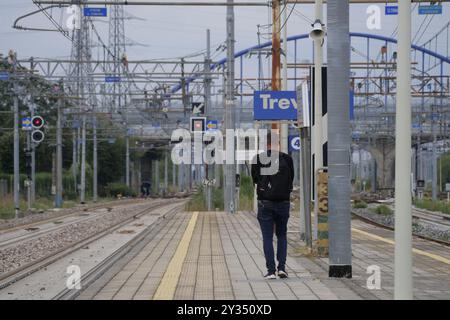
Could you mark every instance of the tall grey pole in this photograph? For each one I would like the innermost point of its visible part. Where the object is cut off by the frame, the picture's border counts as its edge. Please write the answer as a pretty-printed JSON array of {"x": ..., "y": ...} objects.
[
  {"x": 434, "y": 182},
  {"x": 208, "y": 168},
  {"x": 403, "y": 288},
  {"x": 94, "y": 160},
  {"x": 166, "y": 172},
  {"x": 374, "y": 175},
  {"x": 58, "y": 195},
  {"x": 317, "y": 133},
  {"x": 230, "y": 166},
  {"x": 33, "y": 174},
  {"x": 74, "y": 159},
  {"x": 284, "y": 126},
  {"x": 181, "y": 177},
  {"x": 339, "y": 191},
  {"x": 80, "y": 88},
  {"x": 174, "y": 175},
  {"x": 318, "y": 62},
  {"x": 83, "y": 161},
  {"x": 157, "y": 177},
  {"x": 127, "y": 158},
  {"x": 33, "y": 165},
  {"x": 419, "y": 157},
  {"x": 360, "y": 169},
  {"x": 16, "y": 187},
  {"x": 305, "y": 184},
  {"x": 28, "y": 152},
  {"x": 79, "y": 142}
]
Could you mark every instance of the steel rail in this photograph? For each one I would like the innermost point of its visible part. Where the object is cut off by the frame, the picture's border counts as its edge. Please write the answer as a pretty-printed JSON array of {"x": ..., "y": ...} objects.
[
  {"x": 34, "y": 266},
  {"x": 96, "y": 272},
  {"x": 82, "y": 217},
  {"x": 72, "y": 212},
  {"x": 378, "y": 224}
]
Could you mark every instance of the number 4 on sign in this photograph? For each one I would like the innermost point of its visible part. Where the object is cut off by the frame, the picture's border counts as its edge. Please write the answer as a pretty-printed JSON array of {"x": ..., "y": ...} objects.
[{"x": 294, "y": 143}]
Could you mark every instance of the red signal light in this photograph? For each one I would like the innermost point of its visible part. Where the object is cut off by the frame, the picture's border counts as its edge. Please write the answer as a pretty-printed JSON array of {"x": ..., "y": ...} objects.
[{"x": 37, "y": 122}]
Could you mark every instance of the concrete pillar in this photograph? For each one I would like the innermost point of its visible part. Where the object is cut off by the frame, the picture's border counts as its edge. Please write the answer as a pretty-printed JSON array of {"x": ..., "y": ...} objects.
[
  {"x": 174, "y": 175},
  {"x": 180, "y": 177},
  {"x": 384, "y": 154},
  {"x": 157, "y": 191}
]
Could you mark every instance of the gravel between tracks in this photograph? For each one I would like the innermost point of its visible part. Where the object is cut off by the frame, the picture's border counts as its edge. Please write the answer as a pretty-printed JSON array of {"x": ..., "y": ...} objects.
[
  {"x": 31, "y": 250},
  {"x": 419, "y": 227},
  {"x": 52, "y": 213}
]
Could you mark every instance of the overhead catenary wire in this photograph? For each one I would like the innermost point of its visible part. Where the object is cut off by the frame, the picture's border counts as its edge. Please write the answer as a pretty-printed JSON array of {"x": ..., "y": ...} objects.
[
  {"x": 302, "y": 16},
  {"x": 289, "y": 15}
]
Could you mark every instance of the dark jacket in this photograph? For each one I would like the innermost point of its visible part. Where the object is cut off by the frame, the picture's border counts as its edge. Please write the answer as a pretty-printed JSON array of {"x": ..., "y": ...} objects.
[{"x": 288, "y": 178}]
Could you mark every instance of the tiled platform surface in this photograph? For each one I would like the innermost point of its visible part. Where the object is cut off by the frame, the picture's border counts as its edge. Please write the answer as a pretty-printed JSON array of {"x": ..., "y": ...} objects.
[{"x": 224, "y": 260}]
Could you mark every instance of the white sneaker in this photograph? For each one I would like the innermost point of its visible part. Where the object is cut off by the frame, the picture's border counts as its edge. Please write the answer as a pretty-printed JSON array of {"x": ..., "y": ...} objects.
[
  {"x": 270, "y": 276},
  {"x": 282, "y": 274}
]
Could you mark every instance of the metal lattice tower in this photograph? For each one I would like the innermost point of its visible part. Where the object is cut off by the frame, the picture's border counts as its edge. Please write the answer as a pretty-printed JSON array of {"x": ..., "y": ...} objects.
[
  {"x": 81, "y": 85},
  {"x": 80, "y": 72},
  {"x": 117, "y": 48}
]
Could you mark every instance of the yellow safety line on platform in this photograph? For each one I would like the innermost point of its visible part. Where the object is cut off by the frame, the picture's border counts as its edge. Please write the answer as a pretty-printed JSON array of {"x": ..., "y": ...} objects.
[
  {"x": 168, "y": 284},
  {"x": 417, "y": 251}
]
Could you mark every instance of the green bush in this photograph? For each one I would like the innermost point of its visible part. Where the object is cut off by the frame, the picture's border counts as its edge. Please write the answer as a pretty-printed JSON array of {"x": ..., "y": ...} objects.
[
  {"x": 197, "y": 202},
  {"x": 383, "y": 210},
  {"x": 218, "y": 199},
  {"x": 114, "y": 189},
  {"x": 246, "y": 193},
  {"x": 69, "y": 187},
  {"x": 43, "y": 184},
  {"x": 360, "y": 205},
  {"x": 431, "y": 205}
]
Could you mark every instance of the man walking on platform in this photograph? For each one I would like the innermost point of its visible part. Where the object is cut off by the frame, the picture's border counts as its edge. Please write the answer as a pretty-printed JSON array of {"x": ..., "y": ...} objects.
[{"x": 273, "y": 175}]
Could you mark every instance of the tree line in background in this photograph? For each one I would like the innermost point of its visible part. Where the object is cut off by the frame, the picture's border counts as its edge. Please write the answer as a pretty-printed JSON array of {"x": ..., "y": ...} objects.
[{"x": 36, "y": 90}]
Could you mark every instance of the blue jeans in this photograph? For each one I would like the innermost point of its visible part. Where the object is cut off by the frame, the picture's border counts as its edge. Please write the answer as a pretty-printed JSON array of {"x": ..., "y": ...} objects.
[{"x": 274, "y": 216}]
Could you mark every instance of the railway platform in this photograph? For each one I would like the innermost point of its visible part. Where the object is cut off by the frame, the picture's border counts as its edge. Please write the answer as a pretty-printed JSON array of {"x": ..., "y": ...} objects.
[
  {"x": 158, "y": 251},
  {"x": 214, "y": 255}
]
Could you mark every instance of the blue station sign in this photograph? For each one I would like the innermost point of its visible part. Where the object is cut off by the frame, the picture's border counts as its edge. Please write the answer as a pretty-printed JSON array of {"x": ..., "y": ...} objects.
[
  {"x": 275, "y": 105},
  {"x": 95, "y": 12},
  {"x": 391, "y": 10},
  {"x": 4, "y": 76},
  {"x": 112, "y": 79},
  {"x": 430, "y": 9}
]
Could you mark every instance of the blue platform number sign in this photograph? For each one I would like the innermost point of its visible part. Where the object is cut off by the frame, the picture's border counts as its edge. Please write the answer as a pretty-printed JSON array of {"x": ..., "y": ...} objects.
[
  {"x": 430, "y": 9},
  {"x": 352, "y": 105},
  {"x": 212, "y": 125},
  {"x": 4, "y": 76},
  {"x": 275, "y": 105},
  {"x": 112, "y": 79},
  {"x": 95, "y": 12},
  {"x": 294, "y": 143},
  {"x": 26, "y": 124},
  {"x": 391, "y": 10}
]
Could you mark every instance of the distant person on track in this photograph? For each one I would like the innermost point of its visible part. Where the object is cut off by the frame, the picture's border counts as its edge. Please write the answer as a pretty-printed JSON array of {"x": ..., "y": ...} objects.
[
  {"x": 274, "y": 188},
  {"x": 145, "y": 189}
]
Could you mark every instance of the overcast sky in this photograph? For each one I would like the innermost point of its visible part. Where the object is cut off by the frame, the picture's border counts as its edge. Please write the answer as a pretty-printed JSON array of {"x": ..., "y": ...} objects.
[{"x": 178, "y": 31}]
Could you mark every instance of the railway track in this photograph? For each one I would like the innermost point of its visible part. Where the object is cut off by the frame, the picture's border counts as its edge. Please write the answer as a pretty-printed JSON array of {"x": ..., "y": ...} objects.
[
  {"x": 384, "y": 226},
  {"x": 138, "y": 242},
  {"x": 74, "y": 211},
  {"x": 8, "y": 239},
  {"x": 433, "y": 217},
  {"x": 25, "y": 270}
]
